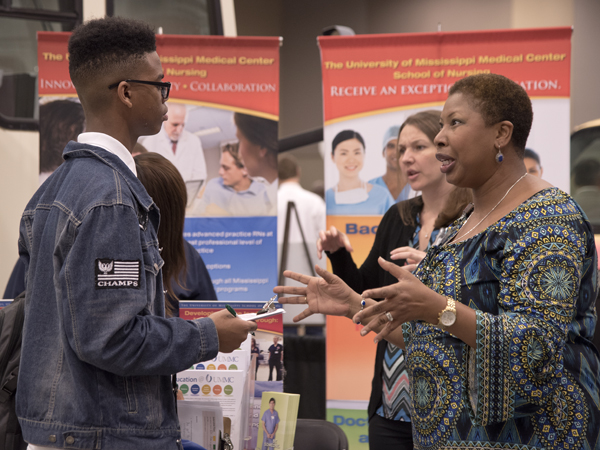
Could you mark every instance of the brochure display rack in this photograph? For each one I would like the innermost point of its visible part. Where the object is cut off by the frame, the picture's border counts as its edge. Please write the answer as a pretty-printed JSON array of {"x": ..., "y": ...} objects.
[{"x": 233, "y": 381}]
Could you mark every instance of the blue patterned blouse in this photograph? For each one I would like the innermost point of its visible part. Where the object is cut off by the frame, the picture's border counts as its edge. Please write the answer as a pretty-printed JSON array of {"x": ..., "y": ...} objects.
[{"x": 532, "y": 382}]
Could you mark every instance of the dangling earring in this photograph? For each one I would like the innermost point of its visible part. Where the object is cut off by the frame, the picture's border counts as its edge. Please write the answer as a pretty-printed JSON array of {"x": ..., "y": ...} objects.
[{"x": 499, "y": 155}]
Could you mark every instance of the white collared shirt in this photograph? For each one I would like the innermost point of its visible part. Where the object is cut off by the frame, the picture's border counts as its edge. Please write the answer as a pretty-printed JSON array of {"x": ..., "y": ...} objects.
[{"x": 110, "y": 144}]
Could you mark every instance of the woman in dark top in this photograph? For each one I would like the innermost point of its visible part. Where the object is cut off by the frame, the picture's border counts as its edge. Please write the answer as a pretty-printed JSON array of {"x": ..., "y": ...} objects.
[{"x": 405, "y": 233}]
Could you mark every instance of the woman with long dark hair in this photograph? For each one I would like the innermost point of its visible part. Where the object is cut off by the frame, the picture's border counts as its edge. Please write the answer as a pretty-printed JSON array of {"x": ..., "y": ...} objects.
[{"x": 184, "y": 274}]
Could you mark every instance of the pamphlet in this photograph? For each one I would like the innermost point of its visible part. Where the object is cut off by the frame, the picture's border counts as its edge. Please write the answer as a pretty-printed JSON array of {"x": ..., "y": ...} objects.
[
  {"x": 228, "y": 388},
  {"x": 201, "y": 422},
  {"x": 278, "y": 416}
]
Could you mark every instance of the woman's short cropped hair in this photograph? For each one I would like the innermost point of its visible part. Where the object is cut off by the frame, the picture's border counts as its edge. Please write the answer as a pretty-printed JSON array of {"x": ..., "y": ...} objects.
[
  {"x": 498, "y": 98},
  {"x": 346, "y": 135}
]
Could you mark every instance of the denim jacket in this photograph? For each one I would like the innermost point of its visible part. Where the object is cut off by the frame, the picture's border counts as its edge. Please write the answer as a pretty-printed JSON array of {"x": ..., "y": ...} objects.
[{"x": 97, "y": 350}]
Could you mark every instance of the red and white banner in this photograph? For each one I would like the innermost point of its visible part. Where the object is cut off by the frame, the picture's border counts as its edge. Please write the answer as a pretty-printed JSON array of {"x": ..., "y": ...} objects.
[
  {"x": 394, "y": 71},
  {"x": 221, "y": 88},
  {"x": 238, "y": 74}
]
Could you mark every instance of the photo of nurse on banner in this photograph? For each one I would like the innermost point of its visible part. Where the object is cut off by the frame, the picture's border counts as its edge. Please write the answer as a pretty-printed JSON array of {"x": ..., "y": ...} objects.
[{"x": 350, "y": 194}]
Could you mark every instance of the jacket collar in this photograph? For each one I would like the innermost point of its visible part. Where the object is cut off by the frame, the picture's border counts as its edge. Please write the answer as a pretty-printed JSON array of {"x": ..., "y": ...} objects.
[{"x": 78, "y": 150}]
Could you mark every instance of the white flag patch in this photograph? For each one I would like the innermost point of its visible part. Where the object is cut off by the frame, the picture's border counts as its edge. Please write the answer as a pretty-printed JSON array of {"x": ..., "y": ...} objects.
[{"x": 114, "y": 274}]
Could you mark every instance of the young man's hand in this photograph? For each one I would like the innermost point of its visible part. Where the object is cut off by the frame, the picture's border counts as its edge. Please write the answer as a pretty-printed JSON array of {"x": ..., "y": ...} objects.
[{"x": 232, "y": 331}]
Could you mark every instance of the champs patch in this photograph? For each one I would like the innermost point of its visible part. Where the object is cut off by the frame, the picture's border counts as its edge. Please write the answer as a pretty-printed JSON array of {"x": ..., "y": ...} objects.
[{"x": 113, "y": 274}]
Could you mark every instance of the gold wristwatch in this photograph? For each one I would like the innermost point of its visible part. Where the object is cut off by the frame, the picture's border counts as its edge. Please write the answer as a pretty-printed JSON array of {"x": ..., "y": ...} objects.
[{"x": 447, "y": 315}]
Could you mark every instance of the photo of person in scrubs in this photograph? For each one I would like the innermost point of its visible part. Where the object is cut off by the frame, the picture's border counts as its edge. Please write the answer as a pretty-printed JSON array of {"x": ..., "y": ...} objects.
[
  {"x": 352, "y": 196},
  {"x": 270, "y": 423}
]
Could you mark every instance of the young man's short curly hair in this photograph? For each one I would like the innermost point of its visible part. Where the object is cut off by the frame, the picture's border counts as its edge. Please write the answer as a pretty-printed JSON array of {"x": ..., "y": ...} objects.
[
  {"x": 498, "y": 98},
  {"x": 107, "y": 45}
]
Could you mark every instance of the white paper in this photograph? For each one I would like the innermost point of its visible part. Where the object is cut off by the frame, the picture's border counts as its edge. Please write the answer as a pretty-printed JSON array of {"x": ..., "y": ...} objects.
[{"x": 254, "y": 316}]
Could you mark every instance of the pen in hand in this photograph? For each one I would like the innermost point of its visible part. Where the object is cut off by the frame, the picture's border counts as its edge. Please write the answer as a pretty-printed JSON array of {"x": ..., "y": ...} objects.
[
  {"x": 234, "y": 314},
  {"x": 231, "y": 310}
]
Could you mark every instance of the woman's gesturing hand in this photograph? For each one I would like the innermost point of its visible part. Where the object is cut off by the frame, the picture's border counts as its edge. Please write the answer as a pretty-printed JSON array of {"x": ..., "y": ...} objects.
[
  {"x": 332, "y": 240},
  {"x": 407, "y": 300},
  {"x": 412, "y": 256},
  {"x": 326, "y": 294}
]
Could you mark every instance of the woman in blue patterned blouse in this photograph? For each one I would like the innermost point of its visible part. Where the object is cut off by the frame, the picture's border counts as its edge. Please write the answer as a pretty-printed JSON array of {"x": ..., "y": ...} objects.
[{"x": 498, "y": 319}]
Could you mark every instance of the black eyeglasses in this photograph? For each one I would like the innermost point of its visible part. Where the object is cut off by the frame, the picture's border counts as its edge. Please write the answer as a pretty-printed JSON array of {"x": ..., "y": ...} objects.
[{"x": 165, "y": 87}]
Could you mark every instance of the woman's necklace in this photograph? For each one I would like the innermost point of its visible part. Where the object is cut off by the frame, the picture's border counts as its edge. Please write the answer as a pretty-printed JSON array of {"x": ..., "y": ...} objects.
[
  {"x": 426, "y": 238},
  {"x": 491, "y": 210},
  {"x": 423, "y": 234}
]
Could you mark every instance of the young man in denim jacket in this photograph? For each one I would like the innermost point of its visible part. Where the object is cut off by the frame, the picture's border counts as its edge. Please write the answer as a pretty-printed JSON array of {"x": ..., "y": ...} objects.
[{"x": 97, "y": 350}]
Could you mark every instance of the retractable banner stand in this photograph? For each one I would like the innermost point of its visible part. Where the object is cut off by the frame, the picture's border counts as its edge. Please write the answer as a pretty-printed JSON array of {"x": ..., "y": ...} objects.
[
  {"x": 221, "y": 135},
  {"x": 371, "y": 84}
]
